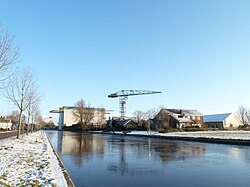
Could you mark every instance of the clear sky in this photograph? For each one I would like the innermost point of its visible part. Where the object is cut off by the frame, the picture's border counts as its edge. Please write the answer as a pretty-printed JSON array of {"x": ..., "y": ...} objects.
[{"x": 197, "y": 52}]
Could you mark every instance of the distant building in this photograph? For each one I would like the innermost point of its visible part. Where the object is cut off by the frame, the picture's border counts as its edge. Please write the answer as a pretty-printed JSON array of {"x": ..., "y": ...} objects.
[
  {"x": 178, "y": 118},
  {"x": 118, "y": 123},
  {"x": 66, "y": 117},
  {"x": 5, "y": 124},
  {"x": 222, "y": 121},
  {"x": 49, "y": 120}
]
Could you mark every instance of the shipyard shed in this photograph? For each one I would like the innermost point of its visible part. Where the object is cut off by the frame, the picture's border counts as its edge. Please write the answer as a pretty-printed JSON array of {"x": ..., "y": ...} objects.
[{"x": 222, "y": 121}]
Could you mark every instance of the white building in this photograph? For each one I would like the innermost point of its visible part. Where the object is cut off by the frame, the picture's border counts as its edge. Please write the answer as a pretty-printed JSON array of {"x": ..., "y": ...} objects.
[
  {"x": 5, "y": 124},
  {"x": 66, "y": 117},
  {"x": 222, "y": 121}
]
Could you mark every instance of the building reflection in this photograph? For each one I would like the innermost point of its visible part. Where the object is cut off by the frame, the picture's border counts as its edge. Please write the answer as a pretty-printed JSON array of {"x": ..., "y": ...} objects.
[
  {"x": 170, "y": 151},
  {"x": 146, "y": 149},
  {"x": 122, "y": 151},
  {"x": 121, "y": 166},
  {"x": 240, "y": 154},
  {"x": 81, "y": 146}
]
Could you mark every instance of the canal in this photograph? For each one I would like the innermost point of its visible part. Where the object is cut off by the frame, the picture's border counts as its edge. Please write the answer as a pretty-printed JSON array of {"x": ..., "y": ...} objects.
[{"x": 97, "y": 160}]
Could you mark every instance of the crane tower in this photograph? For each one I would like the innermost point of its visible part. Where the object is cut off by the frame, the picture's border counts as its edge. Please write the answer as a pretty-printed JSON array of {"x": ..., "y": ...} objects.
[{"x": 123, "y": 96}]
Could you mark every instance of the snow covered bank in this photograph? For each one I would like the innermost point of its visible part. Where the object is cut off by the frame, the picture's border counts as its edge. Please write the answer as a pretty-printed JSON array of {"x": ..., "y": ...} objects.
[
  {"x": 29, "y": 161},
  {"x": 234, "y": 135},
  {"x": 225, "y": 137}
]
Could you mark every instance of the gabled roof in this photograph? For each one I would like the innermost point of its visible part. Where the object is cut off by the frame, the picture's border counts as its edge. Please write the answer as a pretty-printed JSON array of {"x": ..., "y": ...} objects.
[
  {"x": 192, "y": 112},
  {"x": 185, "y": 111},
  {"x": 122, "y": 122},
  {"x": 216, "y": 117},
  {"x": 125, "y": 122}
]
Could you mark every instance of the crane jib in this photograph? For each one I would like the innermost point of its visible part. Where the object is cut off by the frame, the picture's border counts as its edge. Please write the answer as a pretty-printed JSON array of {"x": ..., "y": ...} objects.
[{"x": 123, "y": 94}]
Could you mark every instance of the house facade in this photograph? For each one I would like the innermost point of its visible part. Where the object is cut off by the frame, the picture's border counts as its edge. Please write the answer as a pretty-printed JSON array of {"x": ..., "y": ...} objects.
[
  {"x": 5, "y": 124},
  {"x": 66, "y": 117},
  {"x": 222, "y": 121},
  {"x": 178, "y": 118}
]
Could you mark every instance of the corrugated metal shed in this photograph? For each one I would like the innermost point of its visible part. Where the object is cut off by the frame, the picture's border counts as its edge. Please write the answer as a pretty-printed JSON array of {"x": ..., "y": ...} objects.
[{"x": 216, "y": 117}]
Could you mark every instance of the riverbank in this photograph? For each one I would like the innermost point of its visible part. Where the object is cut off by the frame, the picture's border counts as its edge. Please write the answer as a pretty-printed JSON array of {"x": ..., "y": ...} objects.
[
  {"x": 223, "y": 137},
  {"x": 29, "y": 161}
]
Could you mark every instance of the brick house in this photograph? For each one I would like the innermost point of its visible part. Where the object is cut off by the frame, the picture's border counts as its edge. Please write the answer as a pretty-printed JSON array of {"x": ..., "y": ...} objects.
[{"x": 178, "y": 118}]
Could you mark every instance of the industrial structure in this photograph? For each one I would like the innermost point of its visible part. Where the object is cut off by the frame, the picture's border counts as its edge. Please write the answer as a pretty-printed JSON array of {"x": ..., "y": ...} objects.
[
  {"x": 66, "y": 117},
  {"x": 123, "y": 96},
  {"x": 223, "y": 121}
]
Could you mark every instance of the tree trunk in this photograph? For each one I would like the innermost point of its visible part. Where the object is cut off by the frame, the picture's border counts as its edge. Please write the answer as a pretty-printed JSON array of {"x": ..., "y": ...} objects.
[
  {"x": 19, "y": 125},
  {"x": 32, "y": 122},
  {"x": 149, "y": 128},
  {"x": 28, "y": 128}
]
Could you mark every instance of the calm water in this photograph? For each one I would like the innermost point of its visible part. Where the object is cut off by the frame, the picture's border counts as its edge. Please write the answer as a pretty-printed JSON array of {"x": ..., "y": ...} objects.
[{"x": 94, "y": 160}]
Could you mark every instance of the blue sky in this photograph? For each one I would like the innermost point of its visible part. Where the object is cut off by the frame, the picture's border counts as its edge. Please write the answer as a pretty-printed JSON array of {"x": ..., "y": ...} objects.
[{"x": 195, "y": 52}]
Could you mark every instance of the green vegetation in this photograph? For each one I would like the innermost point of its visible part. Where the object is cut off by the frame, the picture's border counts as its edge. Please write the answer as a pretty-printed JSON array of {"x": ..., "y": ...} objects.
[{"x": 4, "y": 184}]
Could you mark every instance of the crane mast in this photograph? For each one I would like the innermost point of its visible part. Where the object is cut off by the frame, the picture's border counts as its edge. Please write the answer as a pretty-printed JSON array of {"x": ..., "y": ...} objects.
[{"x": 123, "y": 96}]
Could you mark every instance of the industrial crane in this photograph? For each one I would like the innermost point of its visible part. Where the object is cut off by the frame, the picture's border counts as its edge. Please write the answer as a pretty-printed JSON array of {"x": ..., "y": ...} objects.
[{"x": 123, "y": 96}]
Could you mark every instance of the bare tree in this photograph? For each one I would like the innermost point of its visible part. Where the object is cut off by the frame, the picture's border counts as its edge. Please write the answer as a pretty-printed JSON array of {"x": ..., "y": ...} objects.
[
  {"x": 13, "y": 116},
  {"x": 33, "y": 101},
  {"x": 9, "y": 54},
  {"x": 151, "y": 113},
  {"x": 248, "y": 116},
  {"x": 84, "y": 114},
  {"x": 139, "y": 116},
  {"x": 34, "y": 112},
  {"x": 79, "y": 110},
  {"x": 242, "y": 114},
  {"x": 88, "y": 116},
  {"x": 37, "y": 119},
  {"x": 19, "y": 90}
]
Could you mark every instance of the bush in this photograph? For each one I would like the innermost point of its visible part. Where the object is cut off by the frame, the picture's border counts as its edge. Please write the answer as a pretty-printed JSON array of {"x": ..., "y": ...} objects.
[
  {"x": 75, "y": 127},
  {"x": 244, "y": 127},
  {"x": 166, "y": 130},
  {"x": 192, "y": 129}
]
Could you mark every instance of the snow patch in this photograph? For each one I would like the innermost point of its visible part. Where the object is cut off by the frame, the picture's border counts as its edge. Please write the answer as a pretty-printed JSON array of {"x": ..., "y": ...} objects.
[{"x": 29, "y": 161}]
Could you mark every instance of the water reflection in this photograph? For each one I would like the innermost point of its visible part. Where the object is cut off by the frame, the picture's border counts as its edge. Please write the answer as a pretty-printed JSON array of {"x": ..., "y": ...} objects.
[
  {"x": 80, "y": 146},
  {"x": 107, "y": 160},
  {"x": 240, "y": 154},
  {"x": 84, "y": 146},
  {"x": 179, "y": 151},
  {"x": 122, "y": 166}
]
